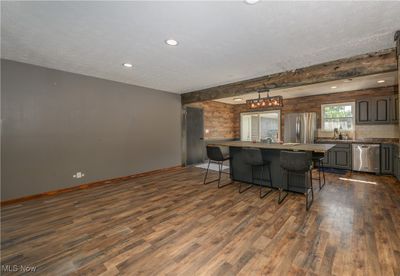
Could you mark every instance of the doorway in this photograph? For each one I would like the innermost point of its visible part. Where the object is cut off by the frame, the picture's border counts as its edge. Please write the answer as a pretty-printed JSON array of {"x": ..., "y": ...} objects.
[{"x": 194, "y": 136}]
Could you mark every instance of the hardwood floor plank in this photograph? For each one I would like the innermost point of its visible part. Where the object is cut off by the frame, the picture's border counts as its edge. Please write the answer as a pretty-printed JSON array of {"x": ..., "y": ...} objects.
[{"x": 172, "y": 224}]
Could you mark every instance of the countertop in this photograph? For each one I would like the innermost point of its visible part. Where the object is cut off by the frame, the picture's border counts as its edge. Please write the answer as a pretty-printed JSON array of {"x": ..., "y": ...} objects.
[
  {"x": 322, "y": 148},
  {"x": 359, "y": 141}
]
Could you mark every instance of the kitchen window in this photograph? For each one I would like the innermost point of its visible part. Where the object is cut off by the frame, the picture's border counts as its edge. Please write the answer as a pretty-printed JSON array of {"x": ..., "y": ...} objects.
[
  {"x": 340, "y": 116},
  {"x": 261, "y": 126}
]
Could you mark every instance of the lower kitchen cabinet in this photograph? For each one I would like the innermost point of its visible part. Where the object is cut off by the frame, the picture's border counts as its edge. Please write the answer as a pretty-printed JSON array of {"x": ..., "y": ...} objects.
[
  {"x": 396, "y": 162},
  {"x": 397, "y": 166},
  {"x": 339, "y": 157},
  {"x": 327, "y": 159},
  {"x": 387, "y": 159}
]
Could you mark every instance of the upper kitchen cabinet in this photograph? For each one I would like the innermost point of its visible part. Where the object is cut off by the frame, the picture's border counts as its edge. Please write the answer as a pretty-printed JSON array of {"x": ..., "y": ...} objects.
[
  {"x": 394, "y": 107},
  {"x": 381, "y": 110},
  {"x": 377, "y": 110},
  {"x": 363, "y": 111}
]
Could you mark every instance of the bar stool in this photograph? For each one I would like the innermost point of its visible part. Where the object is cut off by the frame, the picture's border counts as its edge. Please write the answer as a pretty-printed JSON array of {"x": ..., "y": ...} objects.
[
  {"x": 253, "y": 158},
  {"x": 299, "y": 163},
  {"x": 318, "y": 159},
  {"x": 216, "y": 156}
]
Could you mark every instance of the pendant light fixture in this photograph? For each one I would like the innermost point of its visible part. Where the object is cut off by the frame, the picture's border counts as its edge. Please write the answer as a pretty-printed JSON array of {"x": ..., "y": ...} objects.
[{"x": 266, "y": 102}]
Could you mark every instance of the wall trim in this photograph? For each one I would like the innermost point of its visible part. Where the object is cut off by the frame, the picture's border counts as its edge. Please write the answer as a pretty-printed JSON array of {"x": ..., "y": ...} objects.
[{"x": 116, "y": 180}]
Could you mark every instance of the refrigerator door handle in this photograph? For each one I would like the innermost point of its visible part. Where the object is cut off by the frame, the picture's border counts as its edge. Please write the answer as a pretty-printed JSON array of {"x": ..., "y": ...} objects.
[{"x": 298, "y": 127}]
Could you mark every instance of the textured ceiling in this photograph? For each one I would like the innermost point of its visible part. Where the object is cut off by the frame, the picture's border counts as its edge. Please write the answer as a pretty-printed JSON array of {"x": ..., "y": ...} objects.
[
  {"x": 219, "y": 42},
  {"x": 359, "y": 83}
]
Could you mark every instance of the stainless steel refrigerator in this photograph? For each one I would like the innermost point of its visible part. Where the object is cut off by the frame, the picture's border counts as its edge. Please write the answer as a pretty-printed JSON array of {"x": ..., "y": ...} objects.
[{"x": 300, "y": 127}]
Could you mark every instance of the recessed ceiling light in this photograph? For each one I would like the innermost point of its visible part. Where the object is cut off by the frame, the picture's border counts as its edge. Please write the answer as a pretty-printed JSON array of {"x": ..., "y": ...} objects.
[
  {"x": 251, "y": 2},
  {"x": 380, "y": 81},
  {"x": 171, "y": 42},
  {"x": 237, "y": 99},
  {"x": 333, "y": 87},
  {"x": 128, "y": 65}
]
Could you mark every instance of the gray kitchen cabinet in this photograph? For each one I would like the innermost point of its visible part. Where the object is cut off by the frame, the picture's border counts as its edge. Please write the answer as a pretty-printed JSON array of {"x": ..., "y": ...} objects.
[
  {"x": 387, "y": 159},
  {"x": 327, "y": 159},
  {"x": 341, "y": 159},
  {"x": 396, "y": 162},
  {"x": 338, "y": 157},
  {"x": 381, "y": 110},
  {"x": 363, "y": 111},
  {"x": 396, "y": 167},
  {"x": 394, "y": 107},
  {"x": 377, "y": 110}
]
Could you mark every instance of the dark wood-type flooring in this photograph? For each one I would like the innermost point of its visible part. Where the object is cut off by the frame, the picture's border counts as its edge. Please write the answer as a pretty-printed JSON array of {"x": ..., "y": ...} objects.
[{"x": 170, "y": 223}]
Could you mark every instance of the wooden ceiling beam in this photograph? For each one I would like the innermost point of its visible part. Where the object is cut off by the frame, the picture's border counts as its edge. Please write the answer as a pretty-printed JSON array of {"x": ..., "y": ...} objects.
[
  {"x": 397, "y": 41},
  {"x": 362, "y": 65}
]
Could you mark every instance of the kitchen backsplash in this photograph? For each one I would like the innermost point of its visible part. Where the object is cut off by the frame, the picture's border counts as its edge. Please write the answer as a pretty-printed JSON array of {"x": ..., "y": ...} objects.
[
  {"x": 365, "y": 132},
  {"x": 377, "y": 131},
  {"x": 329, "y": 134}
]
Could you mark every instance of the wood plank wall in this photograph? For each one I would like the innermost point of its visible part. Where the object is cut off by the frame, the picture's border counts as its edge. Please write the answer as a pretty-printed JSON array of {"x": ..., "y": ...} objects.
[{"x": 219, "y": 120}]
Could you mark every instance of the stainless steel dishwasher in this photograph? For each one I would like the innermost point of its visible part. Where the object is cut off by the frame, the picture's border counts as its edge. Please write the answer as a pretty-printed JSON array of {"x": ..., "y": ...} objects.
[{"x": 366, "y": 158}]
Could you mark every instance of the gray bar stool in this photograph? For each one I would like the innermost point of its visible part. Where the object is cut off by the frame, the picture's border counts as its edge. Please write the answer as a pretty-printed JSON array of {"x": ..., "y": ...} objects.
[
  {"x": 216, "y": 156},
  {"x": 299, "y": 163},
  {"x": 318, "y": 159},
  {"x": 253, "y": 157}
]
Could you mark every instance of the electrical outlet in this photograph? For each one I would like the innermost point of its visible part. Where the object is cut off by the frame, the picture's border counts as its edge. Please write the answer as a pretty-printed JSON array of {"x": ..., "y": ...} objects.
[{"x": 78, "y": 175}]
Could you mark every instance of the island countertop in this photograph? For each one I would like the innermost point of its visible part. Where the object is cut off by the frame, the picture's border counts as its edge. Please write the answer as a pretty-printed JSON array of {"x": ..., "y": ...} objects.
[{"x": 320, "y": 148}]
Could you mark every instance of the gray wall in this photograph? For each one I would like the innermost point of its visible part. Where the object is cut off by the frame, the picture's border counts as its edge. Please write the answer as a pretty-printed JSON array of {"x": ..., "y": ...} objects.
[{"x": 57, "y": 123}]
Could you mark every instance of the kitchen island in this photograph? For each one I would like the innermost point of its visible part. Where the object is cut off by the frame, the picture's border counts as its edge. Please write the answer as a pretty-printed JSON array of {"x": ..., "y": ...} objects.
[{"x": 240, "y": 171}]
